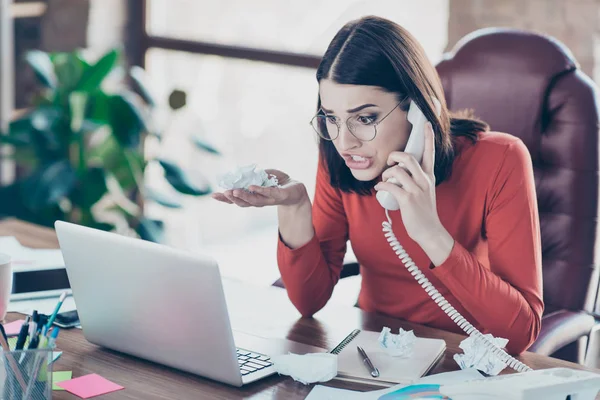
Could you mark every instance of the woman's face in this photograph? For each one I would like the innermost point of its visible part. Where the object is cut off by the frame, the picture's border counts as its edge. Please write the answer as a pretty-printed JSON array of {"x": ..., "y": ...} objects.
[{"x": 366, "y": 159}]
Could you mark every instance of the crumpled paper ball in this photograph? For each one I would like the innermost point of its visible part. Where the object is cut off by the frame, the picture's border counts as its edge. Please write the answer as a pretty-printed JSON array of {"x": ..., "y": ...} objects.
[
  {"x": 476, "y": 355},
  {"x": 243, "y": 177},
  {"x": 400, "y": 345},
  {"x": 307, "y": 368}
]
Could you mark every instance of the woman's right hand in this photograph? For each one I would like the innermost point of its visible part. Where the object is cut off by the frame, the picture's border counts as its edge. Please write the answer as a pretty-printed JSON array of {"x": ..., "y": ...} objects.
[{"x": 288, "y": 193}]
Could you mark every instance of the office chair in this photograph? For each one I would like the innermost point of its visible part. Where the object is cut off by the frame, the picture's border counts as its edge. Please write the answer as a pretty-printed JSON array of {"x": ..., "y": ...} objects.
[{"x": 531, "y": 86}]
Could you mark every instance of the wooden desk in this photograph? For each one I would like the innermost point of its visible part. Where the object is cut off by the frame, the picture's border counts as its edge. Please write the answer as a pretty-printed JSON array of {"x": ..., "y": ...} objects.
[{"x": 259, "y": 310}]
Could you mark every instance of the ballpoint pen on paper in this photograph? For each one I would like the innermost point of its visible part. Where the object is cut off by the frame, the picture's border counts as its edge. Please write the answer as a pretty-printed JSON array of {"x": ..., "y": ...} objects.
[
  {"x": 367, "y": 361},
  {"x": 58, "y": 305}
]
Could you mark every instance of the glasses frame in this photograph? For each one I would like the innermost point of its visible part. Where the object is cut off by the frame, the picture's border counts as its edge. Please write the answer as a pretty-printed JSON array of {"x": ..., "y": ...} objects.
[{"x": 338, "y": 124}]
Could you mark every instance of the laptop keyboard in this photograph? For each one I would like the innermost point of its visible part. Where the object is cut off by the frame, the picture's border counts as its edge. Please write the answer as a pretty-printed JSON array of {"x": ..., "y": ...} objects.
[{"x": 252, "y": 362}]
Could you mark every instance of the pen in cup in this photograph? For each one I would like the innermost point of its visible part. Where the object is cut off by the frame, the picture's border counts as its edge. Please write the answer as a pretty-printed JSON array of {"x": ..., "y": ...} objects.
[
  {"x": 23, "y": 334},
  {"x": 34, "y": 323},
  {"x": 58, "y": 305},
  {"x": 367, "y": 361}
]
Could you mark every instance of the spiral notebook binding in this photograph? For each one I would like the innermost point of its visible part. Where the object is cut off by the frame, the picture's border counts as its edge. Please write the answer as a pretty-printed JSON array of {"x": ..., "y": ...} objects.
[{"x": 345, "y": 342}]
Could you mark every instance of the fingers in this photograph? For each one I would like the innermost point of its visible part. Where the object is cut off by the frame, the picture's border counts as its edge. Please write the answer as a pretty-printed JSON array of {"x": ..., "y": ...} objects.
[
  {"x": 221, "y": 197},
  {"x": 237, "y": 201},
  {"x": 255, "y": 196},
  {"x": 403, "y": 178},
  {"x": 253, "y": 199},
  {"x": 408, "y": 162},
  {"x": 428, "y": 163},
  {"x": 392, "y": 188},
  {"x": 270, "y": 192}
]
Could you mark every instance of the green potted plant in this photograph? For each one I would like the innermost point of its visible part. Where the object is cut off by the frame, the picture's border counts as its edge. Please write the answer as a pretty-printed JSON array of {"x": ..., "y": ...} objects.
[{"x": 79, "y": 147}]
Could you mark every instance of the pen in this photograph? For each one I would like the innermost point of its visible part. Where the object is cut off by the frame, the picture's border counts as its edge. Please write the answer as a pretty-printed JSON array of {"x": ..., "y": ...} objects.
[
  {"x": 33, "y": 343},
  {"x": 35, "y": 319},
  {"x": 43, "y": 338},
  {"x": 374, "y": 371},
  {"x": 23, "y": 334},
  {"x": 53, "y": 335},
  {"x": 3, "y": 333},
  {"x": 58, "y": 305}
]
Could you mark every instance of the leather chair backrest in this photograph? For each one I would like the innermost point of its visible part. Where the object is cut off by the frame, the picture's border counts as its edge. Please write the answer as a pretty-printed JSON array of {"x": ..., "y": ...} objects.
[{"x": 531, "y": 86}]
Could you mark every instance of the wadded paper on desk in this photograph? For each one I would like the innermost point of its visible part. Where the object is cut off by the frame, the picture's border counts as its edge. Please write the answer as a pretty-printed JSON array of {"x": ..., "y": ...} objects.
[
  {"x": 307, "y": 368},
  {"x": 320, "y": 392}
]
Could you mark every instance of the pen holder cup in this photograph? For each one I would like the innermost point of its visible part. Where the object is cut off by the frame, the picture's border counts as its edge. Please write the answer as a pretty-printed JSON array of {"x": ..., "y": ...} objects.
[{"x": 26, "y": 374}]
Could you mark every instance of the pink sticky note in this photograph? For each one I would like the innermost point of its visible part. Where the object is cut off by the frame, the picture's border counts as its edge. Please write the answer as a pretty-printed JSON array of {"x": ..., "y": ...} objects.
[
  {"x": 13, "y": 328},
  {"x": 89, "y": 386}
]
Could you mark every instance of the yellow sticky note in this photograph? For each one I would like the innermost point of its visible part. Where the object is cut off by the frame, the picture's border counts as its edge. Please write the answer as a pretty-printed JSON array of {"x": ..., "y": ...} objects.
[{"x": 60, "y": 376}]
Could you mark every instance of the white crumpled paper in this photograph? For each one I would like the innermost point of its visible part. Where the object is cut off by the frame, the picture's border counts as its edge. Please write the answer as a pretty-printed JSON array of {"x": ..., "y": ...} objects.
[
  {"x": 307, "y": 368},
  {"x": 476, "y": 355},
  {"x": 243, "y": 177},
  {"x": 400, "y": 345}
]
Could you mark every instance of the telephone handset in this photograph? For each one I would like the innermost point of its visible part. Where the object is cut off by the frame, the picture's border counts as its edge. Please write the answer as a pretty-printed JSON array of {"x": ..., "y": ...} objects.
[{"x": 416, "y": 146}]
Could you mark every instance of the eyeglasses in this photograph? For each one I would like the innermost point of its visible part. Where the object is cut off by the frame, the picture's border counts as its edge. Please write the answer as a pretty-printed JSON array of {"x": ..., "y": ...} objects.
[{"x": 361, "y": 127}]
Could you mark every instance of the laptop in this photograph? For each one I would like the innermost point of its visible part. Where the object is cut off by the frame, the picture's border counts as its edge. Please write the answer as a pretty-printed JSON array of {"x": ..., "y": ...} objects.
[{"x": 162, "y": 304}]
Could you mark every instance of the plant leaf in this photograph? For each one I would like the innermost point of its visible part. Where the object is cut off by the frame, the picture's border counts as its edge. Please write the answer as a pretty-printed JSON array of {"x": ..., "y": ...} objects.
[
  {"x": 19, "y": 132},
  {"x": 112, "y": 156},
  {"x": 42, "y": 66},
  {"x": 119, "y": 197},
  {"x": 48, "y": 184},
  {"x": 93, "y": 76},
  {"x": 90, "y": 188},
  {"x": 151, "y": 230},
  {"x": 204, "y": 145},
  {"x": 140, "y": 85},
  {"x": 103, "y": 226},
  {"x": 180, "y": 180},
  {"x": 126, "y": 120},
  {"x": 98, "y": 108},
  {"x": 13, "y": 204},
  {"x": 77, "y": 102},
  {"x": 162, "y": 198},
  {"x": 68, "y": 67}
]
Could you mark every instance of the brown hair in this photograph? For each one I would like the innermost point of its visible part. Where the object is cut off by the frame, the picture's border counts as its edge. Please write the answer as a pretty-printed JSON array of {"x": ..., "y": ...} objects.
[{"x": 377, "y": 52}]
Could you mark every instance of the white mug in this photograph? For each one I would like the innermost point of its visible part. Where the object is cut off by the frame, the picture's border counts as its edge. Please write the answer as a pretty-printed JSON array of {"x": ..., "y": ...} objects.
[{"x": 6, "y": 279}]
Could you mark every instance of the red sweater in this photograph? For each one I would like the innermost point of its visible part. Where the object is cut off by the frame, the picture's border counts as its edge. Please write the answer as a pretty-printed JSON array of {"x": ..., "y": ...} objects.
[{"x": 493, "y": 275}]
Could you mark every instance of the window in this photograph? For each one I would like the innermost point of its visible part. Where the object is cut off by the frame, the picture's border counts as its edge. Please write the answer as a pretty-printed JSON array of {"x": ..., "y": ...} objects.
[{"x": 256, "y": 111}]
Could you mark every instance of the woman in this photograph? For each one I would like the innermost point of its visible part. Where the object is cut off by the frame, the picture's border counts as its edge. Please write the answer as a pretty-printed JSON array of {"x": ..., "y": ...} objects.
[{"x": 468, "y": 212}]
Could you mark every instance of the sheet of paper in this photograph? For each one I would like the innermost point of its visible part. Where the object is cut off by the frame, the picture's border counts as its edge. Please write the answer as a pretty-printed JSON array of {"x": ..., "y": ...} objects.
[
  {"x": 25, "y": 258},
  {"x": 43, "y": 306},
  {"x": 13, "y": 328},
  {"x": 89, "y": 386},
  {"x": 320, "y": 392},
  {"x": 60, "y": 376}
]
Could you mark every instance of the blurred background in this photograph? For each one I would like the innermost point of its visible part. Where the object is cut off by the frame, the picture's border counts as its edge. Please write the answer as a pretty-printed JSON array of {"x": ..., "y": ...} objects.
[{"x": 123, "y": 114}]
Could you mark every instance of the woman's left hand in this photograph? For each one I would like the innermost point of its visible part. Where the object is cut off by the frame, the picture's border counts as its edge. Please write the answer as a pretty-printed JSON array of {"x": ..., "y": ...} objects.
[{"x": 416, "y": 195}]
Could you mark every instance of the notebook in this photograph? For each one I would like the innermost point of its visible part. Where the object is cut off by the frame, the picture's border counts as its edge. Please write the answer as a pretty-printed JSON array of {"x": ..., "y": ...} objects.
[{"x": 393, "y": 370}]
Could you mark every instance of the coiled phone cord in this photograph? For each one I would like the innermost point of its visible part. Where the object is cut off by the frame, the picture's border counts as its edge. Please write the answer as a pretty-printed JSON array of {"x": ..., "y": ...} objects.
[{"x": 439, "y": 299}]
